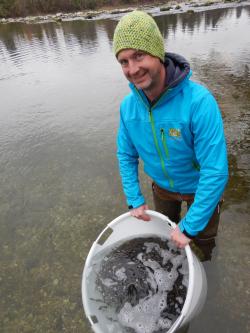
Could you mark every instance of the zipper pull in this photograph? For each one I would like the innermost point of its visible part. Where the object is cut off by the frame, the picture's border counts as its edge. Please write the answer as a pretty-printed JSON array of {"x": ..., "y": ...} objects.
[
  {"x": 150, "y": 115},
  {"x": 162, "y": 133}
]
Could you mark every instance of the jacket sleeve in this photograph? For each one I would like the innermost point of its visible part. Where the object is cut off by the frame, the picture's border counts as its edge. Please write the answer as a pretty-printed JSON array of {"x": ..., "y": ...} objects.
[
  {"x": 128, "y": 159},
  {"x": 211, "y": 154}
]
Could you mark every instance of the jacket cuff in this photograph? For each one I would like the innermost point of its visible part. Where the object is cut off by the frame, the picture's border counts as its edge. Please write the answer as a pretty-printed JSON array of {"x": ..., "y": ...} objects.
[
  {"x": 184, "y": 230},
  {"x": 136, "y": 203}
]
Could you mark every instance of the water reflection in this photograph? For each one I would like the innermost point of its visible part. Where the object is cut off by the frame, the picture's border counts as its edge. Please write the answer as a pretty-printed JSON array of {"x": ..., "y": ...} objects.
[
  {"x": 86, "y": 32},
  {"x": 82, "y": 33},
  {"x": 60, "y": 91}
]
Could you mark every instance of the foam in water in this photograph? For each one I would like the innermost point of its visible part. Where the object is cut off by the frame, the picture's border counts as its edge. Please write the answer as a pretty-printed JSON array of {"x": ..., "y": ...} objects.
[{"x": 145, "y": 282}]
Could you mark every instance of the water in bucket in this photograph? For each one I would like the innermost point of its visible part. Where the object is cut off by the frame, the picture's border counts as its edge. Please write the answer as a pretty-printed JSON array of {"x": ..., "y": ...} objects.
[{"x": 144, "y": 281}]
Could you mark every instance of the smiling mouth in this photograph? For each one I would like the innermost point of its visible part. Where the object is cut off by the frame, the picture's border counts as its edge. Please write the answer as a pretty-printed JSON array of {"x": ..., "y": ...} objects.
[{"x": 139, "y": 79}]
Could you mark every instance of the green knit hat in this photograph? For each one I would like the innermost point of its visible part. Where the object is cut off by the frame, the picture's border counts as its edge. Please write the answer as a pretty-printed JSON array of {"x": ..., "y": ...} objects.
[{"x": 138, "y": 30}]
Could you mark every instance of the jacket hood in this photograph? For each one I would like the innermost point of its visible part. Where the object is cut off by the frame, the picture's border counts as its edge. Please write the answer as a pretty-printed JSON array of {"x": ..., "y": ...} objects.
[{"x": 177, "y": 69}]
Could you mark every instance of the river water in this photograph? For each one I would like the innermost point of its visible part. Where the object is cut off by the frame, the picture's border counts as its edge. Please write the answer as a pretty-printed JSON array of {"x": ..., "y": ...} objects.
[{"x": 60, "y": 89}]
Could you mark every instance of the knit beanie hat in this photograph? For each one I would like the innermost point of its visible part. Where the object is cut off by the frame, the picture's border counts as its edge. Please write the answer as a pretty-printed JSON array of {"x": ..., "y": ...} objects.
[{"x": 138, "y": 30}]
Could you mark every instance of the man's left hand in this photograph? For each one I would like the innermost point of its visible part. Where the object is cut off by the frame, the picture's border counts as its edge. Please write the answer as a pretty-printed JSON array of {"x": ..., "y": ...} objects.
[{"x": 179, "y": 238}]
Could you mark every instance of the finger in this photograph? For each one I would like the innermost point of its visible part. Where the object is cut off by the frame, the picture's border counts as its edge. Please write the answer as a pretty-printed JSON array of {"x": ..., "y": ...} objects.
[
  {"x": 137, "y": 215},
  {"x": 178, "y": 244},
  {"x": 145, "y": 217},
  {"x": 173, "y": 237}
]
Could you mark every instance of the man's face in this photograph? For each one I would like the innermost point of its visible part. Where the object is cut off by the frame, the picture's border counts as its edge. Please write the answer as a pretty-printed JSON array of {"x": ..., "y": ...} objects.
[{"x": 140, "y": 68}]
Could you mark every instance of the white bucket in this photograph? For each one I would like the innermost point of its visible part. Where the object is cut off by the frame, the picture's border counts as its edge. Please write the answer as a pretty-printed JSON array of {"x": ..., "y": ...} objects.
[{"x": 127, "y": 227}]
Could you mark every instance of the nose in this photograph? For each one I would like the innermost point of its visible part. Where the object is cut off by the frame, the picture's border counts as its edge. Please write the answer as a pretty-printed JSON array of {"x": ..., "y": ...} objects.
[{"x": 133, "y": 68}]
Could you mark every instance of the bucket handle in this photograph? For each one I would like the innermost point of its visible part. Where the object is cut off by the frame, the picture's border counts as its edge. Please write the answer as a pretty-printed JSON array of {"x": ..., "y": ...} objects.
[{"x": 170, "y": 223}]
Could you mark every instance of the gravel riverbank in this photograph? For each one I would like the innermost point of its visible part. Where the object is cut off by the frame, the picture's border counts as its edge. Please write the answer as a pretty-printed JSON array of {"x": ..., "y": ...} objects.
[{"x": 168, "y": 7}]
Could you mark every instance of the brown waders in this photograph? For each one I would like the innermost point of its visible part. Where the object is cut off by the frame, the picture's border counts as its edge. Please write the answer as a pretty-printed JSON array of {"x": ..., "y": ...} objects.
[{"x": 169, "y": 204}]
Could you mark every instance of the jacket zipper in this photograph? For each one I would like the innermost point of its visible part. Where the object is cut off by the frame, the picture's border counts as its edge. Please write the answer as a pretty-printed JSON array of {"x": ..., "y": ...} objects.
[
  {"x": 163, "y": 139},
  {"x": 171, "y": 182}
]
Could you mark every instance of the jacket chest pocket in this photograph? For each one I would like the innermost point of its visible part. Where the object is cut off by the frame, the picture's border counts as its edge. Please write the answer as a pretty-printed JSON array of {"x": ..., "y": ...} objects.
[{"x": 171, "y": 136}]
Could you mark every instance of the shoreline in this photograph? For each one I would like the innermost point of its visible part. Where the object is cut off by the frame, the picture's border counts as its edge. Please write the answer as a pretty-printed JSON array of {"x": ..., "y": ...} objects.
[{"x": 172, "y": 7}]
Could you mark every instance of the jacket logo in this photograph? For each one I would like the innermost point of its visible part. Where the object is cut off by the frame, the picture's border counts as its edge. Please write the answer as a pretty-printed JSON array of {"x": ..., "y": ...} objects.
[{"x": 174, "y": 132}]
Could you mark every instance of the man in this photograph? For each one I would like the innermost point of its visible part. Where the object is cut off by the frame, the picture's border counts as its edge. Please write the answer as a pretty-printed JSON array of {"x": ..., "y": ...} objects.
[{"x": 174, "y": 126}]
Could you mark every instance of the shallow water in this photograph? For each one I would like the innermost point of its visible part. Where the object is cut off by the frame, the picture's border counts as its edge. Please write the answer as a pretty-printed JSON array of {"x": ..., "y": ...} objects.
[{"x": 60, "y": 90}]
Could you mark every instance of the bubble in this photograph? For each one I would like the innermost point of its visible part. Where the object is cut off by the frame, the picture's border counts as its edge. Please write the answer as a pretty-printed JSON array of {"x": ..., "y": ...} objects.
[
  {"x": 185, "y": 281},
  {"x": 140, "y": 257},
  {"x": 120, "y": 274},
  {"x": 162, "y": 304},
  {"x": 108, "y": 282},
  {"x": 184, "y": 267},
  {"x": 151, "y": 246},
  {"x": 166, "y": 255},
  {"x": 152, "y": 264},
  {"x": 139, "y": 308},
  {"x": 177, "y": 260},
  {"x": 125, "y": 316},
  {"x": 179, "y": 299},
  {"x": 165, "y": 323}
]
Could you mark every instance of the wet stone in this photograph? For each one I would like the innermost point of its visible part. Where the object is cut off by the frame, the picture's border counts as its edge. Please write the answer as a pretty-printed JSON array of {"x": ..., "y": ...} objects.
[{"x": 144, "y": 282}]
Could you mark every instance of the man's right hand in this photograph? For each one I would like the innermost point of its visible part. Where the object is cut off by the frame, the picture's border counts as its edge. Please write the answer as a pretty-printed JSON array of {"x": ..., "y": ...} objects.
[{"x": 140, "y": 214}]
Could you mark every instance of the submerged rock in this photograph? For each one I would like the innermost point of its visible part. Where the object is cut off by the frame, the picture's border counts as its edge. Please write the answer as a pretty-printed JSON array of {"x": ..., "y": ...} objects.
[{"x": 165, "y": 9}]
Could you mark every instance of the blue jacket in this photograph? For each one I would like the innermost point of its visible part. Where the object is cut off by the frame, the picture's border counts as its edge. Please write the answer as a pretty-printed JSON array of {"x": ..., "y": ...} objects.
[{"x": 180, "y": 140}]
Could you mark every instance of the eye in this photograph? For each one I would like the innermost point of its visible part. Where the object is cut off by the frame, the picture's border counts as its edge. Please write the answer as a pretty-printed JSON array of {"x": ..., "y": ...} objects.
[
  {"x": 139, "y": 56},
  {"x": 123, "y": 62}
]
